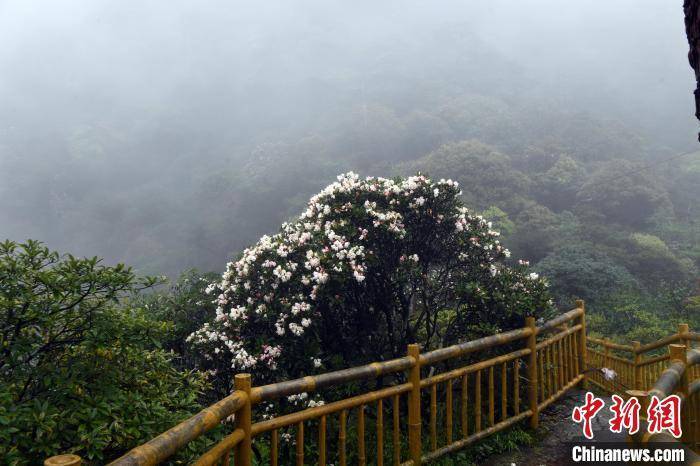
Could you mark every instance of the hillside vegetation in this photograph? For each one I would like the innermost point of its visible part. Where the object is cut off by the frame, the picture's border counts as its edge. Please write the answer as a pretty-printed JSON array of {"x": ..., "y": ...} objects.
[
  {"x": 174, "y": 152},
  {"x": 588, "y": 201}
]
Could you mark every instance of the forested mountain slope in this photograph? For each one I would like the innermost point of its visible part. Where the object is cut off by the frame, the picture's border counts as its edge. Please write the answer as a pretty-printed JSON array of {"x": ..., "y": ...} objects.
[{"x": 188, "y": 172}]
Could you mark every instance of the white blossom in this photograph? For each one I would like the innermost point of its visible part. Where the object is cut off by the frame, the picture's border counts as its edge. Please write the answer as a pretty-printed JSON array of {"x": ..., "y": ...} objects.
[{"x": 278, "y": 284}]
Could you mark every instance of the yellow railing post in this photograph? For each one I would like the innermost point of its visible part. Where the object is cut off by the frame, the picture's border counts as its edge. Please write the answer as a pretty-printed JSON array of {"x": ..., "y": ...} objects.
[
  {"x": 243, "y": 421},
  {"x": 683, "y": 329},
  {"x": 532, "y": 372},
  {"x": 239, "y": 404},
  {"x": 637, "y": 383},
  {"x": 63, "y": 460},
  {"x": 414, "y": 415},
  {"x": 582, "y": 357},
  {"x": 678, "y": 353},
  {"x": 643, "y": 398}
]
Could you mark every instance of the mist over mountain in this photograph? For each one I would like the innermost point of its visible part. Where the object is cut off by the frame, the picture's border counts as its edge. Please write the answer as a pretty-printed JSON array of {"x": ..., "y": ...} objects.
[
  {"x": 171, "y": 136},
  {"x": 464, "y": 168}
]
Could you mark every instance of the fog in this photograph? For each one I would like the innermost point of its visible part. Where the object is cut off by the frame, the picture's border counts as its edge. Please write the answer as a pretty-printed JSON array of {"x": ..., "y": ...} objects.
[{"x": 172, "y": 134}]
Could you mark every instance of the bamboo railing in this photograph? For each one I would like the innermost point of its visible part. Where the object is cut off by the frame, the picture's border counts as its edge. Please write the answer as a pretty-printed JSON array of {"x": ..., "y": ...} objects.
[
  {"x": 645, "y": 373},
  {"x": 426, "y": 415},
  {"x": 676, "y": 379},
  {"x": 637, "y": 366}
]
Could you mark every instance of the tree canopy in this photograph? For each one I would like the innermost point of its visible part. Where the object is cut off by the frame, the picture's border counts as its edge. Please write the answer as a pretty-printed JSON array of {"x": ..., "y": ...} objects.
[
  {"x": 371, "y": 265},
  {"x": 80, "y": 371}
]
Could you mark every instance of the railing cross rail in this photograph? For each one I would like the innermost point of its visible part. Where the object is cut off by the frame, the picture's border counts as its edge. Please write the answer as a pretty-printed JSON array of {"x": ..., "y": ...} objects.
[{"x": 554, "y": 365}]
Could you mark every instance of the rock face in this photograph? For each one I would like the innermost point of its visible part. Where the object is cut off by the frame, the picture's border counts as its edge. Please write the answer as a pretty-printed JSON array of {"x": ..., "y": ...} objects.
[{"x": 691, "y": 9}]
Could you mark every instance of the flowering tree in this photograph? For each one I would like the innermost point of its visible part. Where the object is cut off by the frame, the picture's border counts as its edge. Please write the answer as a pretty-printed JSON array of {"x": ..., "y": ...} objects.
[{"x": 372, "y": 265}]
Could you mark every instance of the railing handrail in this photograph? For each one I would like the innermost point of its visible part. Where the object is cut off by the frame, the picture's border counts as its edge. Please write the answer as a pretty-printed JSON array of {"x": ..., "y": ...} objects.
[
  {"x": 460, "y": 349},
  {"x": 659, "y": 343},
  {"x": 376, "y": 369},
  {"x": 164, "y": 445},
  {"x": 311, "y": 413},
  {"x": 682, "y": 336},
  {"x": 244, "y": 397},
  {"x": 312, "y": 383},
  {"x": 611, "y": 345},
  {"x": 669, "y": 380},
  {"x": 665, "y": 341},
  {"x": 645, "y": 348},
  {"x": 612, "y": 357},
  {"x": 481, "y": 365},
  {"x": 552, "y": 324},
  {"x": 675, "y": 379}
]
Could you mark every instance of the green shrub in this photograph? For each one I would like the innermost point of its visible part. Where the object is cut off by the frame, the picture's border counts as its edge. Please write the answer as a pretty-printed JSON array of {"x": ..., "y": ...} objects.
[{"x": 80, "y": 372}]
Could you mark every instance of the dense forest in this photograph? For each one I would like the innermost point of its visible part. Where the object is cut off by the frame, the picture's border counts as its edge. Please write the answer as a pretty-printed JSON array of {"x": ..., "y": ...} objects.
[
  {"x": 582, "y": 191},
  {"x": 592, "y": 178}
]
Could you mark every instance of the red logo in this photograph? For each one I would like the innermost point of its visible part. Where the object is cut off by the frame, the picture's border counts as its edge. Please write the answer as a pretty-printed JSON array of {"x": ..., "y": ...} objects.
[
  {"x": 662, "y": 415},
  {"x": 665, "y": 415},
  {"x": 625, "y": 414},
  {"x": 587, "y": 412}
]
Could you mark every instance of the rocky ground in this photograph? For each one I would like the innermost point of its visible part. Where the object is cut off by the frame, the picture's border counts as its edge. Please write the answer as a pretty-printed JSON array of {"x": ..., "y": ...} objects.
[{"x": 555, "y": 431}]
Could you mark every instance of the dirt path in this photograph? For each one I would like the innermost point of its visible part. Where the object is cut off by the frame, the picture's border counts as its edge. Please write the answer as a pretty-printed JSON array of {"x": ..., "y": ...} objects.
[{"x": 556, "y": 429}]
